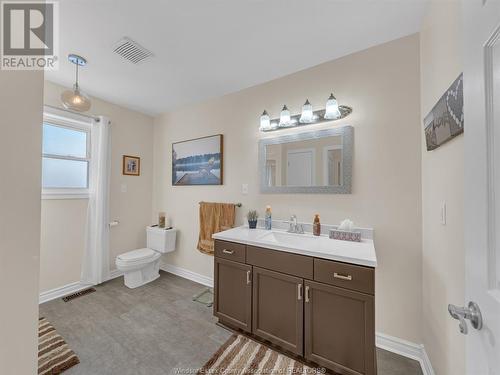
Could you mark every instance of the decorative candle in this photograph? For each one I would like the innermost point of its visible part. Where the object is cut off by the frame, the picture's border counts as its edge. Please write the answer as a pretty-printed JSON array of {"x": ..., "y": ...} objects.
[{"x": 161, "y": 219}]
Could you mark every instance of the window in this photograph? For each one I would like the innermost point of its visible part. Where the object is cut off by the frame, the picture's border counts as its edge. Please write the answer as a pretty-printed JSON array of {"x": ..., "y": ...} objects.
[{"x": 65, "y": 158}]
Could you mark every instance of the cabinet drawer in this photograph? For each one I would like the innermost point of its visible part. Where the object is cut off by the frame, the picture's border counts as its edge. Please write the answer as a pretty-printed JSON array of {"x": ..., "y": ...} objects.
[
  {"x": 292, "y": 264},
  {"x": 345, "y": 275},
  {"x": 230, "y": 250}
]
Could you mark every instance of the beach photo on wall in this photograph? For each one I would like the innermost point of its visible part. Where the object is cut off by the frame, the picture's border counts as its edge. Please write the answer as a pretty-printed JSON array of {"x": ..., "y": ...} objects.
[
  {"x": 197, "y": 161},
  {"x": 446, "y": 120}
]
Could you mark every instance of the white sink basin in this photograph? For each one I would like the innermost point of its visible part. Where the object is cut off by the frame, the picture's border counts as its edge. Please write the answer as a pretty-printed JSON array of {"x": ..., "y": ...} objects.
[{"x": 290, "y": 239}]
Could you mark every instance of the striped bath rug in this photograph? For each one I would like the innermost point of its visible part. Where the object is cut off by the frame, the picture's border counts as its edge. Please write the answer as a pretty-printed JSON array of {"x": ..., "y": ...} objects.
[
  {"x": 54, "y": 355},
  {"x": 241, "y": 355}
]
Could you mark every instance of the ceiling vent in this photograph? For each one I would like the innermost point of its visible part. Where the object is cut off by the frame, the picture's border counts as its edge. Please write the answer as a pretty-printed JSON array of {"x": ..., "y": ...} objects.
[{"x": 132, "y": 51}]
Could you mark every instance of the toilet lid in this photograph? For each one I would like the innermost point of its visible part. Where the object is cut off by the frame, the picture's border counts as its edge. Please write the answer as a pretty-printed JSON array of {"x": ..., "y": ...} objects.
[{"x": 136, "y": 255}]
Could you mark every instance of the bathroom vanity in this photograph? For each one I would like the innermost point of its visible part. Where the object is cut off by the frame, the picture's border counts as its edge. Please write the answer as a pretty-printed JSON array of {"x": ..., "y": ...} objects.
[{"x": 311, "y": 296}]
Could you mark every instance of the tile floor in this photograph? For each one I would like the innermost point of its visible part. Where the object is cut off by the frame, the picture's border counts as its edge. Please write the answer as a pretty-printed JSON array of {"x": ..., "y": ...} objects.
[{"x": 153, "y": 330}]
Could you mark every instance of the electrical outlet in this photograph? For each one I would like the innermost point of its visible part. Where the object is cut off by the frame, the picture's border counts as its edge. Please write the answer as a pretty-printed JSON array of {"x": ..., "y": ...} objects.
[
  {"x": 244, "y": 189},
  {"x": 443, "y": 213}
]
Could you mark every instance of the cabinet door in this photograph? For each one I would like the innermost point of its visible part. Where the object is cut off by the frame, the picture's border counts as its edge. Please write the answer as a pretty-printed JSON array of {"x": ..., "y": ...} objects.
[
  {"x": 233, "y": 293},
  {"x": 278, "y": 309},
  {"x": 339, "y": 329}
]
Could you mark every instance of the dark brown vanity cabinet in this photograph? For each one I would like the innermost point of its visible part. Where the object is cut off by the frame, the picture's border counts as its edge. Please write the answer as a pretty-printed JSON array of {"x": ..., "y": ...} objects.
[
  {"x": 319, "y": 309},
  {"x": 339, "y": 328},
  {"x": 233, "y": 293},
  {"x": 278, "y": 308}
]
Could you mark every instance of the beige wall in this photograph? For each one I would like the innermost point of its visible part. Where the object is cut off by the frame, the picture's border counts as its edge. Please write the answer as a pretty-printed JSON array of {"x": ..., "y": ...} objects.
[
  {"x": 382, "y": 84},
  {"x": 62, "y": 250},
  {"x": 132, "y": 134},
  {"x": 20, "y": 148},
  {"x": 442, "y": 181}
]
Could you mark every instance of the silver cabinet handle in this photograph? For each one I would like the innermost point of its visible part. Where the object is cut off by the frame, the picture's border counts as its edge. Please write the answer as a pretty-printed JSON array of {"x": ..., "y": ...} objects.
[
  {"x": 226, "y": 251},
  {"x": 249, "y": 280},
  {"x": 299, "y": 291},
  {"x": 342, "y": 277},
  {"x": 307, "y": 293}
]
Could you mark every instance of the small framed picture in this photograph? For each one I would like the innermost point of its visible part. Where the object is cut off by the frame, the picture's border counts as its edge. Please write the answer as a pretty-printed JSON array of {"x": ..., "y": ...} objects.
[{"x": 131, "y": 165}]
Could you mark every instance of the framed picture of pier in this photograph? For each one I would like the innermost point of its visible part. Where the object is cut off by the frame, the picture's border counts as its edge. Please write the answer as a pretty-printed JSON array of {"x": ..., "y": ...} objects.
[{"x": 198, "y": 161}]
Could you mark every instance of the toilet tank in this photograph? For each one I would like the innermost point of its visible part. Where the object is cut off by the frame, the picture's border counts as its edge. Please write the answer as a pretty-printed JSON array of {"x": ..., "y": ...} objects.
[{"x": 161, "y": 240}]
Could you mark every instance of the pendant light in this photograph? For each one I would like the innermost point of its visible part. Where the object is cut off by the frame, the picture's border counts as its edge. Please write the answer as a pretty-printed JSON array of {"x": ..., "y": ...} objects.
[
  {"x": 285, "y": 117},
  {"x": 332, "y": 109},
  {"x": 76, "y": 99},
  {"x": 307, "y": 113},
  {"x": 265, "y": 121}
]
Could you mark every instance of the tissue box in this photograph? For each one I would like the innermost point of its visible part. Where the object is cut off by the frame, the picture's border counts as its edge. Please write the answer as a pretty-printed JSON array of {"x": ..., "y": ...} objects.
[{"x": 343, "y": 235}]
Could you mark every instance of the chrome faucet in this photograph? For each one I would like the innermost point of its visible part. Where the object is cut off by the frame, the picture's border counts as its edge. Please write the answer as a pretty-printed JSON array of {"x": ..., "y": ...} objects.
[{"x": 294, "y": 226}]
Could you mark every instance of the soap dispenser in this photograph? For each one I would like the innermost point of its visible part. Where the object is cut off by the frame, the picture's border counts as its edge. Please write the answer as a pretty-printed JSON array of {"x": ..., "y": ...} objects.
[
  {"x": 268, "y": 218},
  {"x": 316, "y": 225}
]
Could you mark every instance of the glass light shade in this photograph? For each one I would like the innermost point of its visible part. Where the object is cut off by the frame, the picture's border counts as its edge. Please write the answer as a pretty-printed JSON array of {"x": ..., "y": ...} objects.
[
  {"x": 265, "y": 121},
  {"x": 285, "y": 117},
  {"x": 75, "y": 100},
  {"x": 307, "y": 113},
  {"x": 332, "y": 109}
]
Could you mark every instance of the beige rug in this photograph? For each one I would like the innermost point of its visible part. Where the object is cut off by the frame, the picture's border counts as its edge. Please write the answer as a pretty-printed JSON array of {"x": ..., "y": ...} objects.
[
  {"x": 54, "y": 355},
  {"x": 241, "y": 355}
]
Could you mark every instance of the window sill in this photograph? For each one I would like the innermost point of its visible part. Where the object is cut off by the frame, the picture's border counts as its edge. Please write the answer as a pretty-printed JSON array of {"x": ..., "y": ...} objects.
[{"x": 65, "y": 195}]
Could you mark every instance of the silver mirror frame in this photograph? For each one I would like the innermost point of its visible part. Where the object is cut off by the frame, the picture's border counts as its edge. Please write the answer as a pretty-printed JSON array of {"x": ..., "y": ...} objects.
[{"x": 347, "y": 133}]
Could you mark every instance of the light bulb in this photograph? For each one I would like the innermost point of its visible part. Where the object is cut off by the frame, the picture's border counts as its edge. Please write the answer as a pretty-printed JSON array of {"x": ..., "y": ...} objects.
[
  {"x": 285, "y": 117},
  {"x": 307, "y": 113},
  {"x": 75, "y": 100},
  {"x": 332, "y": 109},
  {"x": 265, "y": 121}
]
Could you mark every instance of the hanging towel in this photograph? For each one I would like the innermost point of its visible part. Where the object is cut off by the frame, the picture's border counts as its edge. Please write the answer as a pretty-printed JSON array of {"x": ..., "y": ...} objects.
[{"x": 214, "y": 218}]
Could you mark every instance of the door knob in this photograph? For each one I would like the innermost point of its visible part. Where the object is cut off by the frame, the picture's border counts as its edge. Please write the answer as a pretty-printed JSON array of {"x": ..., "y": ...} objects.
[{"x": 471, "y": 312}]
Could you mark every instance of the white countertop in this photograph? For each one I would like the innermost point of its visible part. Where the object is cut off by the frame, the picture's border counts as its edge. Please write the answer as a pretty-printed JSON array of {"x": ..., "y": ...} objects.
[{"x": 361, "y": 253}]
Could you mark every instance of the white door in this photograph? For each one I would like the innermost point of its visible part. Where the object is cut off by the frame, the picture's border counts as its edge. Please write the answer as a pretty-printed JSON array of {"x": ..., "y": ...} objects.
[
  {"x": 299, "y": 170},
  {"x": 482, "y": 180}
]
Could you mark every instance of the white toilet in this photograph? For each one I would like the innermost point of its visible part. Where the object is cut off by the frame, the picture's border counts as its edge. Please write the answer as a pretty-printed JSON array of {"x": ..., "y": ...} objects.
[{"x": 142, "y": 266}]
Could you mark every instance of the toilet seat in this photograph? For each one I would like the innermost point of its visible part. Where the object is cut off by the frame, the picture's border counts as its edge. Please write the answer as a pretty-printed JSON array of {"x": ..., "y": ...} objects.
[
  {"x": 137, "y": 255},
  {"x": 136, "y": 258}
]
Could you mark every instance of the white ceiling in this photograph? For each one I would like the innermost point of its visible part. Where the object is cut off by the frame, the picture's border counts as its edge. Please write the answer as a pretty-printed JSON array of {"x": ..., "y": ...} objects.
[{"x": 208, "y": 48}]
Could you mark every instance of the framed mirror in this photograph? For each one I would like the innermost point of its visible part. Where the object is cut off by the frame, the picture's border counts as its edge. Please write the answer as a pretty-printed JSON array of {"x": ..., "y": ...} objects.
[{"x": 314, "y": 162}]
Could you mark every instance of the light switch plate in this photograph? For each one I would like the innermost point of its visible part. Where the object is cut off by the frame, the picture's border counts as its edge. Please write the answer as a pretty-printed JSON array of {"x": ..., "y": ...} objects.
[
  {"x": 443, "y": 213},
  {"x": 244, "y": 189},
  {"x": 124, "y": 188}
]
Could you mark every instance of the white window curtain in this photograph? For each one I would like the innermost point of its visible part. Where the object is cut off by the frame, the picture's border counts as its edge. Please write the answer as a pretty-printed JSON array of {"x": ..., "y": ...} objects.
[{"x": 95, "y": 265}]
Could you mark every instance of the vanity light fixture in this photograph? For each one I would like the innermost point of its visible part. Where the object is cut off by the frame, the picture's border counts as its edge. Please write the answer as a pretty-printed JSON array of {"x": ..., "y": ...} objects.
[
  {"x": 265, "y": 121},
  {"x": 285, "y": 120},
  {"x": 332, "y": 112},
  {"x": 76, "y": 99},
  {"x": 307, "y": 113},
  {"x": 332, "y": 108}
]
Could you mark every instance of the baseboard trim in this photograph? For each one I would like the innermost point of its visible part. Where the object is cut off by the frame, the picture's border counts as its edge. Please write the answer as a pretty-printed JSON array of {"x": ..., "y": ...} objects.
[
  {"x": 62, "y": 291},
  {"x": 187, "y": 274},
  {"x": 406, "y": 349},
  {"x": 114, "y": 274}
]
